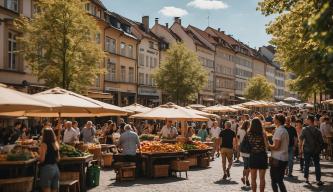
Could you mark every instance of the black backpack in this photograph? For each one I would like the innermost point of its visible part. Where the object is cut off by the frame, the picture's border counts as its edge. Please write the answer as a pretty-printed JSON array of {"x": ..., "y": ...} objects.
[
  {"x": 320, "y": 144},
  {"x": 245, "y": 146}
]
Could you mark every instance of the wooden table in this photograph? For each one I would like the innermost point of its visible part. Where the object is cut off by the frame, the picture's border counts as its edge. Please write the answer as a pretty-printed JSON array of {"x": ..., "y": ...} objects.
[
  {"x": 150, "y": 158},
  {"x": 80, "y": 164},
  {"x": 19, "y": 169},
  {"x": 108, "y": 147}
]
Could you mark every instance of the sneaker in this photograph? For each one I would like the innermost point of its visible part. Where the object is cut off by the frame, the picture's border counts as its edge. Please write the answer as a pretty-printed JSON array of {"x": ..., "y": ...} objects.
[
  {"x": 290, "y": 175},
  {"x": 248, "y": 183},
  {"x": 228, "y": 172},
  {"x": 307, "y": 181},
  {"x": 225, "y": 176},
  {"x": 237, "y": 161},
  {"x": 320, "y": 183},
  {"x": 243, "y": 180}
]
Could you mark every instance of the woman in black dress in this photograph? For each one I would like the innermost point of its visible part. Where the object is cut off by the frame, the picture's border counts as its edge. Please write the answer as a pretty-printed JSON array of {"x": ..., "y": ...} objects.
[
  {"x": 258, "y": 155},
  {"x": 49, "y": 156}
]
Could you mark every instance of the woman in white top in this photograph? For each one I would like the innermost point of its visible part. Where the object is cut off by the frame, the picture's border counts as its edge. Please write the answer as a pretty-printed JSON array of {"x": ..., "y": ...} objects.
[{"x": 240, "y": 135}]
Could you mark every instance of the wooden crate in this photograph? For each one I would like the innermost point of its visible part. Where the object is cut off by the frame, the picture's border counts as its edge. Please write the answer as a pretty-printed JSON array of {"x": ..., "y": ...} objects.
[
  {"x": 23, "y": 184},
  {"x": 107, "y": 159},
  {"x": 193, "y": 161},
  {"x": 161, "y": 170},
  {"x": 204, "y": 162},
  {"x": 125, "y": 173},
  {"x": 69, "y": 175},
  {"x": 97, "y": 152},
  {"x": 179, "y": 165}
]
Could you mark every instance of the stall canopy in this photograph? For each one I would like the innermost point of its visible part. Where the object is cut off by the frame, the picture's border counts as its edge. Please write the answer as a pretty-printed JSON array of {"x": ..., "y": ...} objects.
[
  {"x": 283, "y": 104},
  {"x": 291, "y": 99},
  {"x": 201, "y": 113},
  {"x": 69, "y": 104},
  {"x": 170, "y": 111},
  {"x": 137, "y": 108},
  {"x": 305, "y": 105},
  {"x": 219, "y": 109},
  {"x": 197, "y": 106},
  {"x": 258, "y": 104},
  {"x": 330, "y": 101},
  {"x": 239, "y": 108},
  {"x": 11, "y": 100}
]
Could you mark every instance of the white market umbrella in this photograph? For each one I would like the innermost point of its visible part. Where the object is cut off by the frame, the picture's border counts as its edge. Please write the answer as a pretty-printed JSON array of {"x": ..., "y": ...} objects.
[
  {"x": 170, "y": 111},
  {"x": 201, "y": 113},
  {"x": 330, "y": 101},
  {"x": 239, "y": 108},
  {"x": 196, "y": 106},
  {"x": 137, "y": 108},
  {"x": 283, "y": 104},
  {"x": 65, "y": 103},
  {"x": 219, "y": 109},
  {"x": 291, "y": 99},
  {"x": 12, "y": 100}
]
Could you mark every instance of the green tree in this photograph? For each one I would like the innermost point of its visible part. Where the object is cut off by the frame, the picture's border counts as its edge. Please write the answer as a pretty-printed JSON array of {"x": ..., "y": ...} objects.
[
  {"x": 59, "y": 44},
  {"x": 258, "y": 88},
  {"x": 302, "y": 32},
  {"x": 181, "y": 76}
]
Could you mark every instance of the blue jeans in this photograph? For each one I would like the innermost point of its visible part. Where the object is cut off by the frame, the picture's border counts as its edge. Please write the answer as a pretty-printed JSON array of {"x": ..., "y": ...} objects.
[
  {"x": 290, "y": 160},
  {"x": 307, "y": 159}
]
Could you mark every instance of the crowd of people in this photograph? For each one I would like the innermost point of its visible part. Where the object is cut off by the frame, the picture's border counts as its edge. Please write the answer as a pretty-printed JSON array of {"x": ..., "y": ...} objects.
[{"x": 297, "y": 135}]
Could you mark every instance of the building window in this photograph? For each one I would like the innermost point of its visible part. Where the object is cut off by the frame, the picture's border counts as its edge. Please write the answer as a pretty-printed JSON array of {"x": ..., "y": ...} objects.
[
  {"x": 151, "y": 45},
  {"x": 111, "y": 69},
  {"x": 123, "y": 74},
  {"x": 147, "y": 79},
  {"x": 151, "y": 62},
  {"x": 110, "y": 45},
  {"x": 141, "y": 59},
  {"x": 130, "y": 51},
  {"x": 87, "y": 7},
  {"x": 12, "y": 5},
  {"x": 98, "y": 37},
  {"x": 93, "y": 9},
  {"x": 12, "y": 56},
  {"x": 131, "y": 74},
  {"x": 141, "y": 78},
  {"x": 98, "y": 82},
  {"x": 122, "y": 49},
  {"x": 155, "y": 62},
  {"x": 98, "y": 13},
  {"x": 147, "y": 61}
]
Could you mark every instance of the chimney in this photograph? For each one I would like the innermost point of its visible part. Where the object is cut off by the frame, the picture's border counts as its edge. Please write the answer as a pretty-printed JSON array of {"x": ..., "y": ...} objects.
[
  {"x": 145, "y": 22},
  {"x": 156, "y": 21},
  {"x": 167, "y": 25},
  {"x": 178, "y": 20}
]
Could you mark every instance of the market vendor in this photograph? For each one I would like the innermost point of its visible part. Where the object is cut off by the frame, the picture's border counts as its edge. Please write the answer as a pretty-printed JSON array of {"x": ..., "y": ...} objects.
[
  {"x": 15, "y": 134},
  {"x": 129, "y": 141},
  {"x": 70, "y": 135},
  {"x": 169, "y": 131},
  {"x": 88, "y": 132}
]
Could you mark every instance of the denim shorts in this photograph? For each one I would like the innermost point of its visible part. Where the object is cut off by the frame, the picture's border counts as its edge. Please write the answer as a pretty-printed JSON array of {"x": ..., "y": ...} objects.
[
  {"x": 49, "y": 176},
  {"x": 246, "y": 162}
]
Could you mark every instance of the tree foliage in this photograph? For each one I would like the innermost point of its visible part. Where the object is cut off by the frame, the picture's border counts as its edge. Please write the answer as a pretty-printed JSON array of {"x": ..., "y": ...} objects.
[
  {"x": 59, "y": 44},
  {"x": 303, "y": 35},
  {"x": 258, "y": 88},
  {"x": 181, "y": 76}
]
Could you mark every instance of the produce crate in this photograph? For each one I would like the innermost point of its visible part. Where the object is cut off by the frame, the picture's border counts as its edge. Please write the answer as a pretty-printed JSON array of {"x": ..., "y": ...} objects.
[
  {"x": 193, "y": 161},
  {"x": 69, "y": 175},
  {"x": 23, "y": 184},
  {"x": 97, "y": 152},
  {"x": 180, "y": 166},
  {"x": 161, "y": 170},
  {"x": 204, "y": 162},
  {"x": 107, "y": 159},
  {"x": 126, "y": 173}
]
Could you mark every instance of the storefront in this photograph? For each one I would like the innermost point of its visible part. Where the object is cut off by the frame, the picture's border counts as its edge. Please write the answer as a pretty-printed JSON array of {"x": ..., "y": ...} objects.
[{"x": 149, "y": 96}]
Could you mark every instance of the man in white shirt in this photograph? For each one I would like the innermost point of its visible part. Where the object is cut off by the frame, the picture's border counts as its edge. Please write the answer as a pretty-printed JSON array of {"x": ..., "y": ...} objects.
[
  {"x": 326, "y": 128},
  {"x": 70, "y": 135},
  {"x": 279, "y": 155},
  {"x": 76, "y": 127},
  {"x": 169, "y": 131},
  {"x": 215, "y": 135}
]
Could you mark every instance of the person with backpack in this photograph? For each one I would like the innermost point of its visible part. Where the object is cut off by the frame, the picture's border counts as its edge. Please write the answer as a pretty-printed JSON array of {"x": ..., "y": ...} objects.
[{"x": 312, "y": 144}]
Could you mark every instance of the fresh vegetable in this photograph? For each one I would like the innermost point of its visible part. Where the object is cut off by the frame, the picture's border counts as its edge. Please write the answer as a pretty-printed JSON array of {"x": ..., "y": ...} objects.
[
  {"x": 70, "y": 151},
  {"x": 147, "y": 137}
]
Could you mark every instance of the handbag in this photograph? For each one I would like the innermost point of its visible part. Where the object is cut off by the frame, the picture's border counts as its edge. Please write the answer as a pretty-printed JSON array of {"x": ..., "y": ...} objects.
[{"x": 245, "y": 146}]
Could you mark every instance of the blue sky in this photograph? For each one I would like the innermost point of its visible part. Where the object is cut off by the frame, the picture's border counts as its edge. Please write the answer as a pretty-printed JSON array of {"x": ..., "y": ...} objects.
[{"x": 236, "y": 17}]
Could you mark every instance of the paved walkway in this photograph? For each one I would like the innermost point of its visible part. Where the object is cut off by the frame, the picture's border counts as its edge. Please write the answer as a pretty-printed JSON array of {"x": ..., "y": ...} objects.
[{"x": 209, "y": 180}]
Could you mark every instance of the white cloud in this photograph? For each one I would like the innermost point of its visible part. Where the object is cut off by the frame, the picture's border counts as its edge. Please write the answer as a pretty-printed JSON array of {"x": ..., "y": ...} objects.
[
  {"x": 208, "y": 4},
  {"x": 173, "y": 12}
]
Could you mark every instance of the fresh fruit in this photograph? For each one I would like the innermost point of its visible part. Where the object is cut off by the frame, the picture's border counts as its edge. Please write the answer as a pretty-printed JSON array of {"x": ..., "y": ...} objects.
[
  {"x": 158, "y": 147},
  {"x": 200, "y": 145}
]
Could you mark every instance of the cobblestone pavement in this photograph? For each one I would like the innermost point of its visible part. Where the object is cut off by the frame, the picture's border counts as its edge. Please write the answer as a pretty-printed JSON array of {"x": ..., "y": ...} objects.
[{"x": 204, "y": 180}]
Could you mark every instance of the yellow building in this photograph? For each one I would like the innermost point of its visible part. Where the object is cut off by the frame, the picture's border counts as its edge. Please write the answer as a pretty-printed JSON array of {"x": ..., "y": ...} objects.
[
  {"x": 121, "y": 60},
  {"x": 13, "y": 69}
]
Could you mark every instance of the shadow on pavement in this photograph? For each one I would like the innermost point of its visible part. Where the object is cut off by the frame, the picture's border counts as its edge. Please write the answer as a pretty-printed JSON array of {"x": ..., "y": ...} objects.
[
  {"x": 293, "y": 179},
  {"x": 246, "y": 188},
  {"x": 145, "y": 181},
  {"x": 226, "y": 182}
]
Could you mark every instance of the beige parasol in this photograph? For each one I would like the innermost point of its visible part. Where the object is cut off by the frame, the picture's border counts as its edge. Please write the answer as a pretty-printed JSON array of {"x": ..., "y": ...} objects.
[
  {"x": 196, "y": 106},
  {"x": 69, "y": 104},
  {"x": 201, "y": 113},
  {"x": 170, "y": 111},
  {"x": 219, "y": 109},
  {"x": 137, "y": 108},
  {"x": 11, "y": 100},
  {"x": 239, "y": 108}
]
